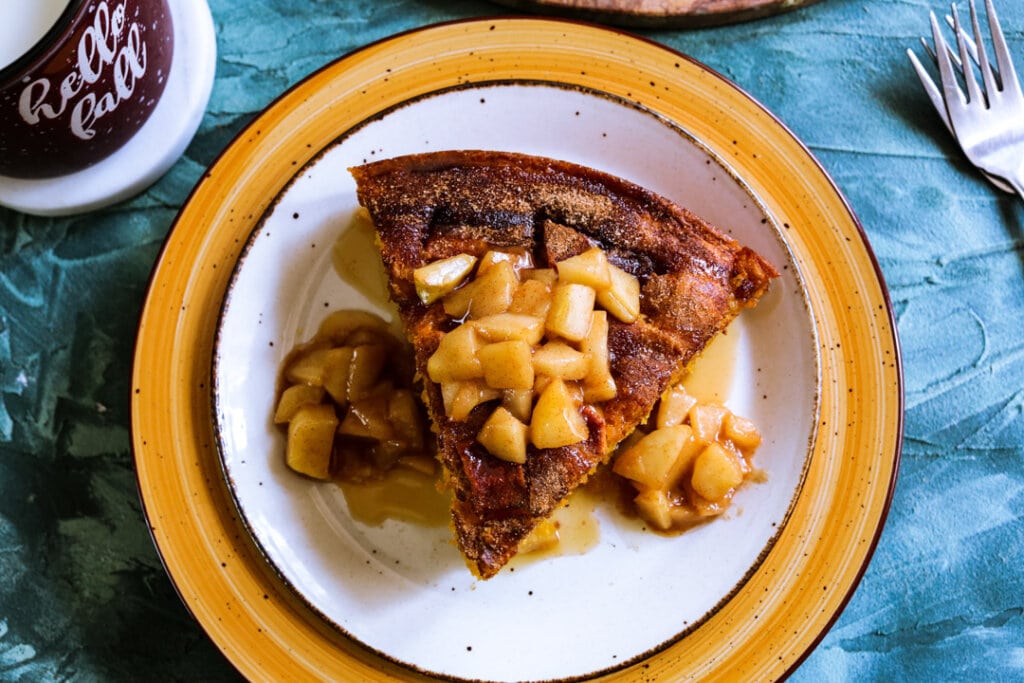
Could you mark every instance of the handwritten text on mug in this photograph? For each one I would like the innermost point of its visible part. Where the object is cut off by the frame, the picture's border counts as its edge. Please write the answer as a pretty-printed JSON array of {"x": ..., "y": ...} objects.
[{"x": 107, "y": 43}]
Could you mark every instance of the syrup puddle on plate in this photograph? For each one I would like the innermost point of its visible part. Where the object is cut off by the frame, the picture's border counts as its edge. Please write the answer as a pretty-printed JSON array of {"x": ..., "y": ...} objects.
[{"x": 402, "y": 494}]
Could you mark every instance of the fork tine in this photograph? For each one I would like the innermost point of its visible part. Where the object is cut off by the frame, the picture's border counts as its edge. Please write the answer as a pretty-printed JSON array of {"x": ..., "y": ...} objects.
[
  {"x": 930, "y": 89},
  {"x": 974, "y": 93},
  {"x": 1007, "y": 73},
  {"x": 972, "y": 47},
  {"x": 982, "y": 57},
  {"x": 953, "y": 56},
  {"x": 950, "y": 90}
]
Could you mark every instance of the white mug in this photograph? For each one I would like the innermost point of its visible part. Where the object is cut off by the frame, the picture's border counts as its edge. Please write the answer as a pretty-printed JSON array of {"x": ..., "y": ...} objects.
[{"x": 98, "y": 98}]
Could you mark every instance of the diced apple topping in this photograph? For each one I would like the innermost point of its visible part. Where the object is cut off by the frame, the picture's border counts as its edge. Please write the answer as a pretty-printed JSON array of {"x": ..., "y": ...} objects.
[
  {"x": 348, "y": 404},
  {"x": 716, "y": 472},
  {"x": 658, "y": 459},
  {"x": 674, "y": 406},
  {"x": 533, "y": 297},
  {"x": 689, "y": 466},
  {"x": 520, "y": 329},
  {"x": 518, "y": 259},
  {"x": 461, "y": 397},
  {"x": 293, "y": 398},
  {"x": 311, "y": 440},
  {"x": 598, "y": 385}
]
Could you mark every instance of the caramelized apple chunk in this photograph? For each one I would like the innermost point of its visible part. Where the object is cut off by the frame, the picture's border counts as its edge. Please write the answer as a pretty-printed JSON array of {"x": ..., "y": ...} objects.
[
  {"x": 558, "y": 359},
  {"x": 293, "y": 398},
  {"x": 570, "y": 312},
  {"x": 311, "y": 440},
  {"x": 556, "y": 419},
  {"x": 490, "y": 293},
  {"x": 622, "y": 297},
  {"x": 504, "y": 436},
  {"x": 507, "y": 364},
  {"x": 658, "y": 459},
  {"x": 455, "y": 358},
  {"x": 590, "y": 268},
  {"x": 510, "y": 326},
  {"x": 716, "y": 472}
]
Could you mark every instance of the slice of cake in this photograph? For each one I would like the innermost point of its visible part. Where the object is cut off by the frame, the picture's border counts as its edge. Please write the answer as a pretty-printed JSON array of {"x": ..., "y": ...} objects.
[{"x": 549, "y": 306}]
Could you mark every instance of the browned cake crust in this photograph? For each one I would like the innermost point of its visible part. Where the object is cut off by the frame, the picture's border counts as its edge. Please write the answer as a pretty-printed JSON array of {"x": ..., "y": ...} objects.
[{"x": 694, "y": 281}]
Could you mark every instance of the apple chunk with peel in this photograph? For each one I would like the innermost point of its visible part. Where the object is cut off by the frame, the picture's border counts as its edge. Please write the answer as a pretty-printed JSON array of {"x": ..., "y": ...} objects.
[{"x": 437, "y": 278}]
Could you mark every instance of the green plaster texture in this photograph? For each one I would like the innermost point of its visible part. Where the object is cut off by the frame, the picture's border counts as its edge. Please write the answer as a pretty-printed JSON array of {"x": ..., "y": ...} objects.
[{"x": 83, "y": 596}]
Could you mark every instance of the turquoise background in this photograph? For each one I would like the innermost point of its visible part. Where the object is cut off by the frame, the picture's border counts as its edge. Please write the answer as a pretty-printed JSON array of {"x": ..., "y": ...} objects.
[{"x": 83, "y": 596}]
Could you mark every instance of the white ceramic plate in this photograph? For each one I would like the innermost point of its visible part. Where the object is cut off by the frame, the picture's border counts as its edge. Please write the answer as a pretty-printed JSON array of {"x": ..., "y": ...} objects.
[{"x": 402, "y": 590}]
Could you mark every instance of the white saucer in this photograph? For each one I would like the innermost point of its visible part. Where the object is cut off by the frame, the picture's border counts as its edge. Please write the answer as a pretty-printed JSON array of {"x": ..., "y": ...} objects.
[{"x": 158, "y": 144}]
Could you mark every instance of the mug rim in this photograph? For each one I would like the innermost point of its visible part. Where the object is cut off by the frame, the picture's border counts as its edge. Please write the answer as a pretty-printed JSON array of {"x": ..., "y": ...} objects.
[{"x": 42, "y": 47}]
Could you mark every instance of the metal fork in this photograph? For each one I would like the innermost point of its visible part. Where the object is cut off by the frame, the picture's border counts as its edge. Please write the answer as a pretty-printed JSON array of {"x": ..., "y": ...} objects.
[
  {"x": 988, "y": 122},
  {"x": 935, "y": 95}
]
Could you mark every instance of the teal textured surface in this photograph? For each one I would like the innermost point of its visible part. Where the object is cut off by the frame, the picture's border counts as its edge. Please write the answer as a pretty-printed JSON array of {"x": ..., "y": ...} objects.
[{"x": 83, "y": 595}]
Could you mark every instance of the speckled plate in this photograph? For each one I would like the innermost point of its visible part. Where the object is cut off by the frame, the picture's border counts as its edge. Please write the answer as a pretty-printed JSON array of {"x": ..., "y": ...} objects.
[{"x": 272, "y": 567}]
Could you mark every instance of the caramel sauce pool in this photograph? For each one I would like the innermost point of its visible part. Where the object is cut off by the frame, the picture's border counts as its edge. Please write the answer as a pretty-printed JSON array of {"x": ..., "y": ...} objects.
[
  {"x": 356, "y": 260},
  {"x": 413, "y": 497},
  {"x": 402, "y": 494}
]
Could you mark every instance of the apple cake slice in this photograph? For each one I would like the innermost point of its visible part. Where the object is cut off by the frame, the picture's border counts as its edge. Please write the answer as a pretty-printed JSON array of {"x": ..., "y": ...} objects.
[{"x": 549, "y": 306}]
